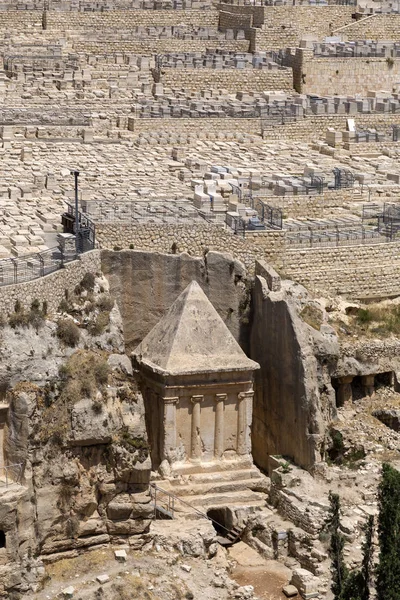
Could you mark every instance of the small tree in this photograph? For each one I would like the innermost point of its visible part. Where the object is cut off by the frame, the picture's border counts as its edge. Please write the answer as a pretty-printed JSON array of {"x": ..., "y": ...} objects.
[
  {"x": 388, "y": 575},
  {"x": 339, "y": 569},
  {"x": 368, "y": 553}
]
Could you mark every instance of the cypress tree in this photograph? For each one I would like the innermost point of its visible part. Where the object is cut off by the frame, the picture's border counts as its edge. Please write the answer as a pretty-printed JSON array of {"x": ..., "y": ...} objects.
[
  {"x": 388, "y": 579},
  {"x": 339, "y": 570},
  {"x": 368, "y": 552}
]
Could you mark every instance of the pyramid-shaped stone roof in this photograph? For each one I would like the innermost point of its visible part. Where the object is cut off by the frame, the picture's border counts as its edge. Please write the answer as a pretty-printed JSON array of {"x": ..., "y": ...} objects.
[{"x": 192, "y": 338}]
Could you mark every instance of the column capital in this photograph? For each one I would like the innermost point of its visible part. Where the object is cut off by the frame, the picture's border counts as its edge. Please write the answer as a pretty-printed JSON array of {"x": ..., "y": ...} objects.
[
  {"x": 244, "y": 395},
  {"x": 171, "y": 400},
  {"x": 197, "y": 398},
  {"x": 220, "y": 397}
]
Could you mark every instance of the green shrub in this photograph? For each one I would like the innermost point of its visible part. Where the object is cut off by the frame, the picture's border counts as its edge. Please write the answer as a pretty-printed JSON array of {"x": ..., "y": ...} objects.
[
  {"x": 87, "y": 282},
  {"x": 63, "y": 306},
  {"x": 101, "y": 372},
  {"x": 18, "y": 319},
  {"x": 364, "y": 315},
  {"x": 68, "y": 332}
]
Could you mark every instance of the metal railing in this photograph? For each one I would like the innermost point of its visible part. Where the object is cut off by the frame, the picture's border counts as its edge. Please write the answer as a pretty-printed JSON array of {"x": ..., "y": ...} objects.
[
  {"x": 159, "y": 211},
  {"x": 38, "y": 264},
  {"x": 10, "y": 474},
  {"x": 169, "y": 510},
  {"x": 352, "y": 236},
  {"x": 31, "y": 266}
]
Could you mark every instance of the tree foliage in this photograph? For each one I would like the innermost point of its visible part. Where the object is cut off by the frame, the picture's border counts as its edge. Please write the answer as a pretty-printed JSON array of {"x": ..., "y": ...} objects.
[
  {"x": 339, "y": 570},
  {"x": 347, "y": 585},
  {"x": 388, "y": 573}
]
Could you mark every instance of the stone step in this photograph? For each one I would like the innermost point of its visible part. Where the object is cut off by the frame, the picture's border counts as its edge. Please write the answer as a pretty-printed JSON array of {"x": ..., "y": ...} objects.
[
  {"x": 234, "y": 475},
  {"x": 214, "y": 467},
  {"x": 214, "y": 487},
  {"x": 245, "y": 498}
]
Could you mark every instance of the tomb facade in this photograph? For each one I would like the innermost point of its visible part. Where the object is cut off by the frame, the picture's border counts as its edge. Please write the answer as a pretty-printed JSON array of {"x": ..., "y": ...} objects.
[{"x": 197, "y": 385}]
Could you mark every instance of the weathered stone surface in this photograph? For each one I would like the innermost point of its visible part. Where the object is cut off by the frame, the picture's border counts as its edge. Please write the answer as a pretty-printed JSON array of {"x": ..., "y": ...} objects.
[
  {"x": 286, "y": 386},
  {"x": 132, "y": 276}
]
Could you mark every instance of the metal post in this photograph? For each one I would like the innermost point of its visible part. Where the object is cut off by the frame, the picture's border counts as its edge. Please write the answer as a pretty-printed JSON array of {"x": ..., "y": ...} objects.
[{"x": 75, "y": 173}]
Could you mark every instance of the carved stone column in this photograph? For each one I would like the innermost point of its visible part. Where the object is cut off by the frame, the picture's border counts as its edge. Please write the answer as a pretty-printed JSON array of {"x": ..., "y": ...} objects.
[
  {"x": 245, "y": 409},
  {"x": 344, "y": 393},
  {"x": 219, "y": 425},
  {"x": 368, "y": 384},
  {"x": 169, "y": 428},
  {"x": 195, "y": 446}
]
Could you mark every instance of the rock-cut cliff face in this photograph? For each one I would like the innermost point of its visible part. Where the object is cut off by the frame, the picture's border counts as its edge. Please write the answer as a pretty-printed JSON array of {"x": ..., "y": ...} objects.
[
  {"x": 292, "y": 389},
  {"x": 73, "y": 432}
]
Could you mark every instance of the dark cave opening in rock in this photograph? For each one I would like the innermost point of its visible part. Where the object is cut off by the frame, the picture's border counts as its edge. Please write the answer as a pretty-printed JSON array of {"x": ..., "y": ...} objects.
[{"x": 222, "y": 520}]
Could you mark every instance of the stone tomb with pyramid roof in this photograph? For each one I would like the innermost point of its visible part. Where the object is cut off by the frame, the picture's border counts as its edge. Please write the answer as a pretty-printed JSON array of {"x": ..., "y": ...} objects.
[{"x": 197, "y": 385}]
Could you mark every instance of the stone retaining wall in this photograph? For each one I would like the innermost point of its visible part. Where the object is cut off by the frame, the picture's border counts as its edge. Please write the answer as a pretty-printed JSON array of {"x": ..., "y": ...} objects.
[
  {"x": 155, "y": 46},
  {"x": 368, "y": 270},
  {"x": 228, "y": 20},
  {"x": 229, "y": 79},
  {"x": 305, "y": 129},
  {"x": 314, "y": 127},
  {"x": 377, "y": 27},
  {"x": 130, "y": 19},
  {"x": 295, "y": 206},
  {"x": 17, "y": 20},
  {"x": 286, "y": 25},
  {"x": 51, "y": 287},
  {"x": 182, "y": 125},
  {"x": 333, "y": 76},
  {"x": 355, "y": 271}
]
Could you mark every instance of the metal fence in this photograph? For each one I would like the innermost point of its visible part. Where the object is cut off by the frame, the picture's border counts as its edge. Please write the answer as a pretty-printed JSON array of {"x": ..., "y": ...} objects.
[
  {"x": 86, "y": 230},
  {"x": 352, "y": 236},
  {"x": 146, "y": 211},
  {"x": 33, "y": 266}
]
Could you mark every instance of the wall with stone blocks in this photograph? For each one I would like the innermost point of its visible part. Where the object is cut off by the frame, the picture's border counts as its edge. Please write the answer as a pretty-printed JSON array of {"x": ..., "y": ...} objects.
[
  {"x": 332, "y": 76},
  {"x": 51, "y": 287},
  {"x": 181, "y": 125},
  {"x": 296, "y": 206},
  {"x": 165, "y": 46},
  {"x": 356, "y": 271},
  {"x": 227, "y": 20},
  {"x": 193, "y": 239},
  {"x": 131, "y": 18},
  {"x": 376, "y": 27},
  {"x": 256, "y": 12},
  {"x": 314, "y": 127},
  {"x": 228, "y": 79},
  {"x": 286, "y": 25},
  {"x": 20, "y": 20}
]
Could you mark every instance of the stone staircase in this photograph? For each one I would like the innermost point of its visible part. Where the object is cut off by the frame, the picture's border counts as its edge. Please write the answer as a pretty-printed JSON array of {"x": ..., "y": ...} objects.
[{"x": 243, "y": 487}]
